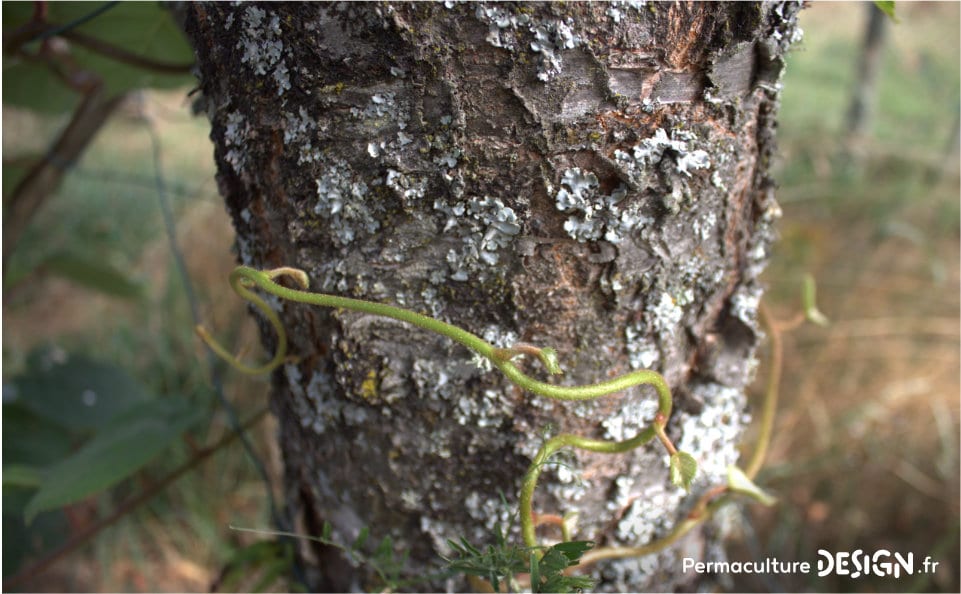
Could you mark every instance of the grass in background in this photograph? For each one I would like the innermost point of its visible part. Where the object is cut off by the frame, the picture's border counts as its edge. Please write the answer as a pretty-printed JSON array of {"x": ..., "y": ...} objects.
[{"x": 865, "y": 455}]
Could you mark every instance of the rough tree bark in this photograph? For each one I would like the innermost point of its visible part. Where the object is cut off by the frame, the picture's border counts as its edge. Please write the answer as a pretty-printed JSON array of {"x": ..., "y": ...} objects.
[{"x": 592, "y": 177}]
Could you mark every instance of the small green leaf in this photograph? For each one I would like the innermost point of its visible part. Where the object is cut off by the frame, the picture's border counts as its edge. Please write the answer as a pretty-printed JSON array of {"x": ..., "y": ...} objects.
[
  {"x": 809, "y": 302},
  {"x": 550, "y": 568},
  {"x": 739, "y": 482},
  {"x": 548, "y": 357},
  {"x": 683, "y": 469},
  {"x": 361, "y": 539},
  {"x": 118, "y": 450},
  {"x": 93, "y": 274},
  {"x": 574, "y": 549},
  {"x": 887, "y": 7}
]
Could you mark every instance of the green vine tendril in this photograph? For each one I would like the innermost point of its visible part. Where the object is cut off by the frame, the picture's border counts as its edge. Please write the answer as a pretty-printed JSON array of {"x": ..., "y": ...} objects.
[
  {"x": 244, "y": 278},
  {"x": 683, "y": 467}
]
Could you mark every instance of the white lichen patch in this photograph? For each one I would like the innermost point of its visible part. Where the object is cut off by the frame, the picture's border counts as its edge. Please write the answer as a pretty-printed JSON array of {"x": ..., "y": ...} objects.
[
  {"x": 618, "y": 8},
  {"x": 499, "y": 337},
  {"x": 745, "y": 303},
  {"x": 410, "y": 189},
  {"x": 549, "y": 39},
  {"x": 704, "y": 227},
  {"x": 639, "y": 163},
  {"x": 299, "y": 129},
  {"x": 595, "y": 216},
  {"x": 490, "y": 511},
  {"x": 487, "y": 409},
  {"x": 633, "y": 417},
  {"x": 298, "y": 126},
  {"x": 571, "y": 484},
  {"x": 642, "y": 351},
  {"x": 621, "y": 575},
  {"x": 236, "y": 132},
  {"x": 502, "y": 24},
  {"x": 712, "y": 435},
  {"x": 310, "y": 406},
  {"x": 263, "y": 50},
  {"x": 383, "y": 111},
  {"x": 439, "y": 533},
  {"x": 485, "y": 227},
  {"x": 665, "y": 314},
  {"x": 342, "y": 201},
  {"x": 644, "y": 519},
  {"x": 513, "y": 30}
]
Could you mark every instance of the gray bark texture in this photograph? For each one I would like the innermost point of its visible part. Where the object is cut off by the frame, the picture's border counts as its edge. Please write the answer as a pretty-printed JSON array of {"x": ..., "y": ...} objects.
[{"x": 588, "y": 176}]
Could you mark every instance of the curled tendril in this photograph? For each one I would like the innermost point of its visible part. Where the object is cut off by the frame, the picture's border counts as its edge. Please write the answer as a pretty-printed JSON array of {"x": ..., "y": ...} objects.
[
  {"x": 241, "y": 282},
  {"x": 243, "y": 278}
]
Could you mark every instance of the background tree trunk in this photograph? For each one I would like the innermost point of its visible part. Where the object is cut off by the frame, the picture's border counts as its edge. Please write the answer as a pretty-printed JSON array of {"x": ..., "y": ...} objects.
[
  {"x": 864, "y": 95},
  {"x": 592, "y": 177}
]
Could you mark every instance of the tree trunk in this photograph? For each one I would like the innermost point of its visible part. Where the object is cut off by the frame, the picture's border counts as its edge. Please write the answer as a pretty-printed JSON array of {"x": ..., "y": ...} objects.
[
  {"x": 864, "y": 94},
  {"x": 592, "y": 177}
]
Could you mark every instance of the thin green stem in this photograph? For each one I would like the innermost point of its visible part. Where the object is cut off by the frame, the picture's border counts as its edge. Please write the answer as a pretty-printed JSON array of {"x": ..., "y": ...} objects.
[
  {"x": 769, "y": 406},
  {"x": 244, "y": 277},
  {"x": 550, "y": 447}
]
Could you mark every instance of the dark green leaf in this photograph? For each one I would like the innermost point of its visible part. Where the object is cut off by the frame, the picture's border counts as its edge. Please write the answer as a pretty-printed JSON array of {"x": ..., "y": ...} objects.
[
  {"x": 574, "y": 549},
  {"x": 77, "y": 393},
  {"x": 118, "y": 450},
  {"x": 141, "y": 28},
  {"x": 551, "y": 568},
  {"x": 30, "y": 439},
  {"x": 683, "y": 469},
  {"x": 468, "y": 547},
  {"x": 93, "y": 274}
]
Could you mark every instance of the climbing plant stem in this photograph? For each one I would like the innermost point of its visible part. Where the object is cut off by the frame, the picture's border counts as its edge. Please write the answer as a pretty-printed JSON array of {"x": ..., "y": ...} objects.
[
  {"x": 769, "y": 405},
  {"x": 550, "y": 447},
  {"x": 244, "y": 278}
]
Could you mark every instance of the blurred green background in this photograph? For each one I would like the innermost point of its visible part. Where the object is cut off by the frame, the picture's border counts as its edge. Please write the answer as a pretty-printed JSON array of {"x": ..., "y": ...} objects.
[{"x": 865, "y": 453}]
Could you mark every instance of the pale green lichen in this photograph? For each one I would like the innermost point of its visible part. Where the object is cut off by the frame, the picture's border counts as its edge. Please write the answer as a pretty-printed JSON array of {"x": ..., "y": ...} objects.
[{"x": 595, "y": 216}]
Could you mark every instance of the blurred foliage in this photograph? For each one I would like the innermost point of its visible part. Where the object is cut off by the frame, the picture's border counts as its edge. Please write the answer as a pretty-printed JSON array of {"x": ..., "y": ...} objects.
[
  {"x": 141, "y": 28},
  {"x": 75, "y": 426}
]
